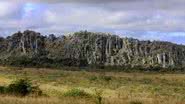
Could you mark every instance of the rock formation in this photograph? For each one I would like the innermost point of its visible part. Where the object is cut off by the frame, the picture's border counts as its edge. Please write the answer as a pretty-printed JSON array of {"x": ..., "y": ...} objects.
[{"x": 94, "y": 49}]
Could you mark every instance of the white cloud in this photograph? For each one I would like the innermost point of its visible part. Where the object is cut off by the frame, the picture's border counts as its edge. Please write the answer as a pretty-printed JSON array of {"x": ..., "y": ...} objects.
[
  {"x": 60, "y": 16},
  {"x": 8, "y": 8}
]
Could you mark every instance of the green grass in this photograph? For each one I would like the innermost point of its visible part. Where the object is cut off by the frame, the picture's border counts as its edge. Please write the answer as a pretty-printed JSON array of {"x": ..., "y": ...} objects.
[
  {"x": 116, "y": 87},
  {"x": 75, "y": 92}
]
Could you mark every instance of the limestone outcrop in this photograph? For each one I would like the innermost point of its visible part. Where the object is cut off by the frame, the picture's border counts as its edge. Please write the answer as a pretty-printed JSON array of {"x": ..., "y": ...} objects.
[
  {"x": 111, "y": 50},
  {"x": 94, "y": 49}
]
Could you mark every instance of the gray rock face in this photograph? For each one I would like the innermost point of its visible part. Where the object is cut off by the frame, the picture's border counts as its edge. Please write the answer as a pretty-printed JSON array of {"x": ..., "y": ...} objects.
[
  {"x": 96, "y": 49},
  {"x": 110, "y": 50},
  {"x": 25, "y": 43}
]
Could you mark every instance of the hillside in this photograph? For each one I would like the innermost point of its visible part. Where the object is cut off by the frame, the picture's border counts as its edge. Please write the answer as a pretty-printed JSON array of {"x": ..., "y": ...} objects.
[{"x": 88, "y": 49}]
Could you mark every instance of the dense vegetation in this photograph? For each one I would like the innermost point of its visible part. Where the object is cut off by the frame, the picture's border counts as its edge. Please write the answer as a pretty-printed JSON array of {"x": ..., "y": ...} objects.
[
  {"x": 73, "y": 64},
  {"x": 21, "y": 87}
]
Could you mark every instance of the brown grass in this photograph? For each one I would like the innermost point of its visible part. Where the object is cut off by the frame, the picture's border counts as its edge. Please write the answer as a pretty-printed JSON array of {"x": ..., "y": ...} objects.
[{"x": 117, "y": 87}]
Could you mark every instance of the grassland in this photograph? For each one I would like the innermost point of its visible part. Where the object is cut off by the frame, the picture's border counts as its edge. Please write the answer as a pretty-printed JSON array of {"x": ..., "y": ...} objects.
[{"x": 113, "y": 87}]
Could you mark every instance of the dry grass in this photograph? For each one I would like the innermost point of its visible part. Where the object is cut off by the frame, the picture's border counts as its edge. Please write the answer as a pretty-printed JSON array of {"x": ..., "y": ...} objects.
[
  {"x": 118, "y": 87},
  {"x": 42, "y": 100},
  {"x": 73, "y": 100}
]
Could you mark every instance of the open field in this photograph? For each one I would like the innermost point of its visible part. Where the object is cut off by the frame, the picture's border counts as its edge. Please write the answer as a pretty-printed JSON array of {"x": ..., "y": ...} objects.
[{"x": 113, "y": 87}]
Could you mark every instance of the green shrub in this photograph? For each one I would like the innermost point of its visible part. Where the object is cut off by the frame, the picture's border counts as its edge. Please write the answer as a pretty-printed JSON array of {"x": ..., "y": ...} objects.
[
  {"x": 2, "y": 89},
  {"x": 76, "y": 93},
  {"x": 21, "y": 87}
]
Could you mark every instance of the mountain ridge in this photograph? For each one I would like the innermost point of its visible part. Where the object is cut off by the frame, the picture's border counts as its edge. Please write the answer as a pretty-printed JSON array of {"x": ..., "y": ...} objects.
[{"x": 87, "y": 49}]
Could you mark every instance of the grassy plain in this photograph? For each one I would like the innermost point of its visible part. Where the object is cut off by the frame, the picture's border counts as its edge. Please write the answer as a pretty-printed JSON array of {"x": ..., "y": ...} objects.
[{"x": 109, "y": 87}]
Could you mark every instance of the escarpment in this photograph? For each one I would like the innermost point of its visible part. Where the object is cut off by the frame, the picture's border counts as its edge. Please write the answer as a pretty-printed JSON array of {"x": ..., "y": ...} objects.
[
  {"x": 87, "y": 48},
  {"x": 111, "y": 50}
]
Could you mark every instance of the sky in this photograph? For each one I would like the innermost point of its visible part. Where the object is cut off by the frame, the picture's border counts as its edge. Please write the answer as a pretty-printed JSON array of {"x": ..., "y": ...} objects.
[{"x": 142, "y": 19}]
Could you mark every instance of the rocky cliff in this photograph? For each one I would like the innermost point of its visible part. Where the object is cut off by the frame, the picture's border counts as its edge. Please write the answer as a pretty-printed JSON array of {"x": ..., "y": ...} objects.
[{"x": 91, "y": 49}]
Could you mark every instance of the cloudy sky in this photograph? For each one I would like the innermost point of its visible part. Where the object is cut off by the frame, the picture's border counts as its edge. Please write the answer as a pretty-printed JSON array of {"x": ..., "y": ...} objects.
[{"x": 142, "y": 19}]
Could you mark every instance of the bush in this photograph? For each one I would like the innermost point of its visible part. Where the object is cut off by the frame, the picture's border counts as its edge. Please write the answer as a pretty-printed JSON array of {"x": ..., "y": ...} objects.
[
  {"x": 76, "y": 93},
  {"x": 20, "y": 87},
  {"x": 2, "y": 89}
]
